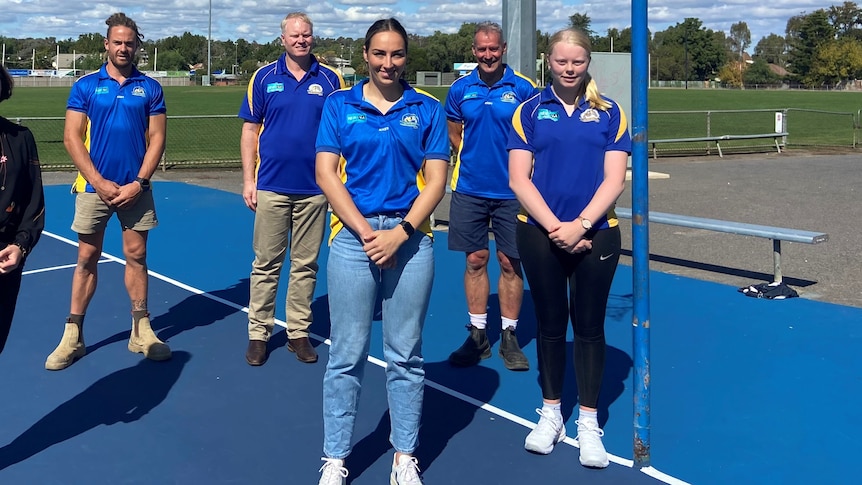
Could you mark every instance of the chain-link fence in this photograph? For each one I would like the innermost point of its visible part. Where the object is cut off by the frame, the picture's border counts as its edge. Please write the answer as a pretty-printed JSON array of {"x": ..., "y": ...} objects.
[
  {"x": 202, "y": 140},
  {"x": 192, "y": 140}
]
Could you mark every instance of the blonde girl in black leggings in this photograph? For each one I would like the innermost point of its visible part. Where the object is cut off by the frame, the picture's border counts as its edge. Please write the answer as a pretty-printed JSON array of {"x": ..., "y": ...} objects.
[{"x": 568, "y": 150}]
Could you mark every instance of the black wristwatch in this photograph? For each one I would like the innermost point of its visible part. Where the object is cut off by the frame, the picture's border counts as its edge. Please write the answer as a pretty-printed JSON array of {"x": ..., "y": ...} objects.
[
  {"x": 21, "y": 247},
  {"x": 145, "y": 183},
  {"x": 408, "y": 228}
]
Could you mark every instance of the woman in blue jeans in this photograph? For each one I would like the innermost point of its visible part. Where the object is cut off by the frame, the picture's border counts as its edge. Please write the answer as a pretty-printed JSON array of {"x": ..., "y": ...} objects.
[{"x": 382, "y": 156}]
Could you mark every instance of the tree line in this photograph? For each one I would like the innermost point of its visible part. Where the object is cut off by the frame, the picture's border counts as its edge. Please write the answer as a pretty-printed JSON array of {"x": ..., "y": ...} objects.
[{"x": 818, "y": 48}]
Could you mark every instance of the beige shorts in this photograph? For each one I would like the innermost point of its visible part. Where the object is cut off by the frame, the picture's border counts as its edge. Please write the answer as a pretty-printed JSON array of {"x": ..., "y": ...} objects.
[{"x": 92, "y": 214}]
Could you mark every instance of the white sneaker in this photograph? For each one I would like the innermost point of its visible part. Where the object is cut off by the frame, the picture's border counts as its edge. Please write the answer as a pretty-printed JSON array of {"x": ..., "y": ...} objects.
[
  {"x": 549, "y": 431},
  {"x": 589, "y": 438},
  {"x": 405, "y": 471},
  {"x": 332, "y": 472}
]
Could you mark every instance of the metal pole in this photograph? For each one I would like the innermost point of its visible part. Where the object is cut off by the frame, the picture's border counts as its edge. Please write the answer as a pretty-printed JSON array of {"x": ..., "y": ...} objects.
[
  {"x": 519, "y": 29},
  {"x": 685, "y": 40},
  {"x": 209, "y": 46},
  {"x": 640, "y": 234}
]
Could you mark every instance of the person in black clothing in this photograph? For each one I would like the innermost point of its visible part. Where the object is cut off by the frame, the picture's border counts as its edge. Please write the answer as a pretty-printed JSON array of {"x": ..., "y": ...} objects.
[{"x": 22, "y": 207}]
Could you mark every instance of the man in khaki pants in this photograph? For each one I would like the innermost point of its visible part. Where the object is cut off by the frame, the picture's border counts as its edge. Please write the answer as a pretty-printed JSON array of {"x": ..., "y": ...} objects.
[
  {"x": 115, "y": 134},
  {"x": 281, "y": 113}
]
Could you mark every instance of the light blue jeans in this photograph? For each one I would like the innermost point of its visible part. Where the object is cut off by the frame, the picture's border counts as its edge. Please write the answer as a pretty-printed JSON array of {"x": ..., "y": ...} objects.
[{"x": 355, "y": 285}]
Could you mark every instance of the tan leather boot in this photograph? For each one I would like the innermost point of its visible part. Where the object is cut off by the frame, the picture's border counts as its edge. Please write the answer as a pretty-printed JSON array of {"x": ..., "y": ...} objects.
[
  {"x": 71, "y": 347},
  {"x": 144, "y": 341}
]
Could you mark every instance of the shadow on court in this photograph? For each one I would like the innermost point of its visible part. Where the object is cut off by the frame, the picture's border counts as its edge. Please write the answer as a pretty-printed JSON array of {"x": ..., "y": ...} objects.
[
  {"x": 123, "y": 396},
  {"x": 206, "y": 420},
  {"x": 195, "y": 311}
]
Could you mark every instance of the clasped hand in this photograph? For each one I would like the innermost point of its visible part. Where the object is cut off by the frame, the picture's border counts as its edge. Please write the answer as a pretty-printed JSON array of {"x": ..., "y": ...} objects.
[
  {"x": 569, "y": 236},
  {"x": 10, "y": 258},
  {"x": 381, "y": 246},
  {"x": 121, "y": 196}
]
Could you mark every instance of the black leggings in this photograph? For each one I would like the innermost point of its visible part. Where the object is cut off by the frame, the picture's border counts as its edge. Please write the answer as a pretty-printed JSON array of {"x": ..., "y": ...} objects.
[
  {"x": 10, "y": 284},
  {"x": 587, "y": 276}
]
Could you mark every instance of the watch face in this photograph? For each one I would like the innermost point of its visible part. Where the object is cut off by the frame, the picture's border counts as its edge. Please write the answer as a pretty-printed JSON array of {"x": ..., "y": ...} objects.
[{"x": 587, "y": 224}]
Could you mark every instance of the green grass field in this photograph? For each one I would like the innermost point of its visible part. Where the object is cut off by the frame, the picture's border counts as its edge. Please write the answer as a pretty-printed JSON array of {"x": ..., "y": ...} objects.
[{"x": 814, "y": 117}]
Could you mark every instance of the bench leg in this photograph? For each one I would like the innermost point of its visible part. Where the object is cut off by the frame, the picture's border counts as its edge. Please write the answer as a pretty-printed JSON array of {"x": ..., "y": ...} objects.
[{"x": 776, "y": 258}]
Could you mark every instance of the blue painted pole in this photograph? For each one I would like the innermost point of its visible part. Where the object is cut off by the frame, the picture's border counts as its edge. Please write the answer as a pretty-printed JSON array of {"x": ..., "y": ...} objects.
[{"x": 640, "y": 233}]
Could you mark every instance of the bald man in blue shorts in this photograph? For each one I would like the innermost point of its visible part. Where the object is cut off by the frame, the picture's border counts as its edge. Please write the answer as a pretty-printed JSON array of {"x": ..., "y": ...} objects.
[{"x": 479, "y": 110}]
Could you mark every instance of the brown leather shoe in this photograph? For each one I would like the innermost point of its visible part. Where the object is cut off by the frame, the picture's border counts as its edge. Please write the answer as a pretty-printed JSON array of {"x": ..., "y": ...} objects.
[
  {"x": 304, "y": 351},
  {"x": 256, "y": 353}
]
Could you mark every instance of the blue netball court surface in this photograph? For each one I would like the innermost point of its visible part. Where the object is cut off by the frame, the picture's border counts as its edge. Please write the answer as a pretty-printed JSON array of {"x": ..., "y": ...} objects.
[{"x": 743, "y": 390}]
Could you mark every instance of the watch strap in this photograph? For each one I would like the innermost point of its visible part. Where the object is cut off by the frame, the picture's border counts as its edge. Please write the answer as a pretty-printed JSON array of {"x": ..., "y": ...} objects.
[
  {"x": 408, "y": 228},
  {"x": 145, "y": 183}
]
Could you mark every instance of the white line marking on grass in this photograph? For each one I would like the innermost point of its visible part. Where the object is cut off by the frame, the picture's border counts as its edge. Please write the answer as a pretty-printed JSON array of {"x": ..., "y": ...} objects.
[{"x": 650, "y": 471}]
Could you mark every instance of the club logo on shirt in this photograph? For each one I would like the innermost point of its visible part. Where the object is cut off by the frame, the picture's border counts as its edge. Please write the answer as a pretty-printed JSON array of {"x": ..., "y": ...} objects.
[
  {"x": 274, "y": 88},
  {"x": 139, "y": 91},
  {"x": 470, "y": 95},
  {"x": 509, "y": 97},
  {"x": 590, "y": 115},
  {"x": 546, "y": 114},
  {"x": 315, "y": 89},
  {"x": 355, "y": 118},
  {"x": 410, "y": 120},
  {"x": 101, "y": 90}
]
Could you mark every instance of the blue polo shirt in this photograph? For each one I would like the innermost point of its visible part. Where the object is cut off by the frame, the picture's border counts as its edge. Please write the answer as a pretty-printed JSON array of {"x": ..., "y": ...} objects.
[
  {"x": 288, "y": 110},
  {"x": 382, "y": 155},
  {"x": 118, "y": 117},
  {"x": 482, "y": 169},
  {"x": 569, "y": 151}
]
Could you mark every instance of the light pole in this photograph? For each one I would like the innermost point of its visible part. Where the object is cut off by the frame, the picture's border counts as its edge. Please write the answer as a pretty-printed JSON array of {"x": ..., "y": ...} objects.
[{"x": 209, "y": 45}]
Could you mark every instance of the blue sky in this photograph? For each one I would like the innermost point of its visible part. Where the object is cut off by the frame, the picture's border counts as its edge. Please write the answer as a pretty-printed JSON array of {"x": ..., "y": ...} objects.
[{"x": 258, "y": 20}]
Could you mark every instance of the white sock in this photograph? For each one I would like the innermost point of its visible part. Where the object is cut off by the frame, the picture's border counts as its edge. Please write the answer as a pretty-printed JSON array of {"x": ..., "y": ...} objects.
[
  {"x": 588, "y": 417},
  {"x": 479, "y": 320},
  {"x": 508, "y": 322},
  {"x": 553, "y": 408}
]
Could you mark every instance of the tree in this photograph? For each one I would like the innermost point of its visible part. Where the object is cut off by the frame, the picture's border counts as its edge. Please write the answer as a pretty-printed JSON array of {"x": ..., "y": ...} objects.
[
  {"x": 90, "y": 62},
  {"x": 730, "y": 75},
  {"x": 170, "y": 60},
  {"x": 740, "y": 38},
  {"x": 835, "y": 62},
  {"x": 805, "y": 35},
  {"x": 688, "y": 51},
  {"x": 582, "y": 22},
  {"x": 760, "y": 73},
  {"x": 772, "y": 49},
  {"x": 90, "y": 44},
  {"x": 845, "y": 19}
]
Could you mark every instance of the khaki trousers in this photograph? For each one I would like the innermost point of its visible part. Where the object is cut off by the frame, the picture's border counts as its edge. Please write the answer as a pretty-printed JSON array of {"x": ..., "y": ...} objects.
[{"x": 282, "y": 221}]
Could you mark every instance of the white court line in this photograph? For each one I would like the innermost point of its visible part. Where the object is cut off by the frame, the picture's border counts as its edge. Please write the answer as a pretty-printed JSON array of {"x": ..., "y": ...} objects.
[
  {"x": 650, "y": 471},
  {"x": 55, "y": 268}
]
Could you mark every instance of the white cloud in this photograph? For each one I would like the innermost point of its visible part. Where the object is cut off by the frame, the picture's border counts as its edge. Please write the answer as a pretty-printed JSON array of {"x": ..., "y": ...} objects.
[{"x": 258, "y": 20}]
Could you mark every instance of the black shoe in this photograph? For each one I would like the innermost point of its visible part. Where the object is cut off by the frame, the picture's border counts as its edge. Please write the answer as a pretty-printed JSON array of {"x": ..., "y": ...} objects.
[
  {"x": 474, "y": 349},
  {"x": 510, "y": 351}
]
